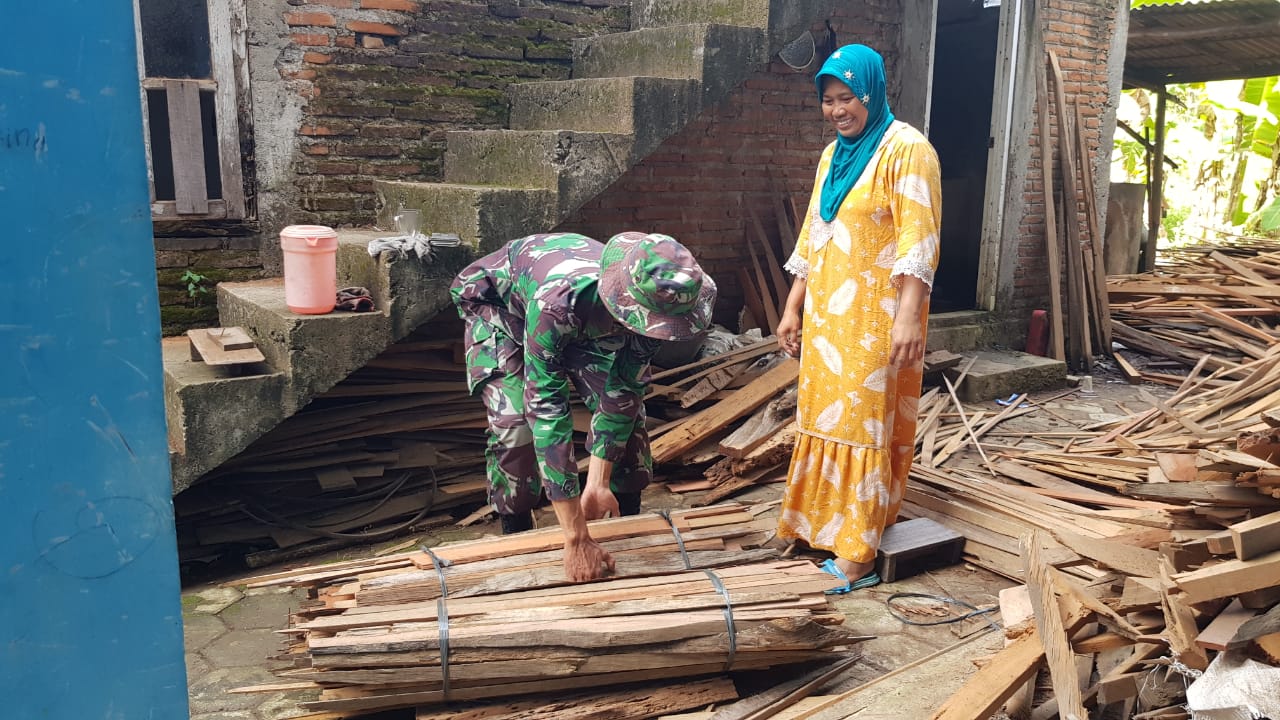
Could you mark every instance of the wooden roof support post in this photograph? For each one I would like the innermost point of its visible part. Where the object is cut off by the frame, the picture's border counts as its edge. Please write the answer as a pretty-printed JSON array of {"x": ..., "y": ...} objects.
[{"x": 1155, "y": 185}]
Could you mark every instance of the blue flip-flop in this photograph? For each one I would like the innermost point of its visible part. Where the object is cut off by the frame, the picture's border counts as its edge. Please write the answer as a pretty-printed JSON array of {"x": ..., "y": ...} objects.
[{"x": 829, "y": 567}]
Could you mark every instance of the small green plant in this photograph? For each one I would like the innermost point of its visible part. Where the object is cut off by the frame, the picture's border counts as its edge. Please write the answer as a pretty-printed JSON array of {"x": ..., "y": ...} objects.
[{"x": 195, "y": 284}]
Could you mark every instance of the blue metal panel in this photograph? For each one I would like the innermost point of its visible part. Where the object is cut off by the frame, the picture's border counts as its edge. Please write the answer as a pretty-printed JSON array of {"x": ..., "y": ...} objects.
[{"x": 90, "y": 617}]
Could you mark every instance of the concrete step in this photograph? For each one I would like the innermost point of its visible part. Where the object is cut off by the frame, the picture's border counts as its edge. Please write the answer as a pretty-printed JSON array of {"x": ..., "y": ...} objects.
[
  {"x": 212, "y": 413},
  {"x": 999, "y": 374},
  {"x": 313, "y": 351},
  {"x": 971, "y": 329},
  {"x": 662, "y": 13},
  {"x": 575, "y": 165},
  {"x": 411, "y": 290},
  {"x": 782, "y": 19},
  {"x": 718, "y": 56},
  {"x": 484, "y": 217},
  {"x": 650, "y": 109}
]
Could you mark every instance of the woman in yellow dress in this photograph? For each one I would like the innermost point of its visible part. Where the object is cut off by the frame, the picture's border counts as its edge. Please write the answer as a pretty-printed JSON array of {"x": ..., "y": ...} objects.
[{"x": 864, "y": 265}]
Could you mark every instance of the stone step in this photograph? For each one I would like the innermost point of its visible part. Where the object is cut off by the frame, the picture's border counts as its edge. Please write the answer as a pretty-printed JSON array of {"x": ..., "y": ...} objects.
[
  {"x": 575, "y": 165},
  {"x": 484, "y": 217},
  {"x": 782, "y": 19},
  {"x": 410, "y": 289},
  {"x": 314, "y": 352},
  {"x": 662, "y": 13},
  {"x": 718, "y": 56},
  {"x": 649, "y": 109},
  {"x": 971, "y": 329},
  {"x": 212, "y": 413},
  {"x": 999, "y": 374}
]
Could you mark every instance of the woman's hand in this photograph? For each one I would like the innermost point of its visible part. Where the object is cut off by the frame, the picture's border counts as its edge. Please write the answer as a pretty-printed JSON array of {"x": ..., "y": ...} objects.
[
  {"x": 906, "y": 342},
  {"x": 788, "y": 332}
]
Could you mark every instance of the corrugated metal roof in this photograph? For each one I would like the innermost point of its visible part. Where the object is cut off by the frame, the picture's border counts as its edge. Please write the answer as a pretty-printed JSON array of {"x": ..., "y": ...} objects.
[{"x": 1203, "y": 40}]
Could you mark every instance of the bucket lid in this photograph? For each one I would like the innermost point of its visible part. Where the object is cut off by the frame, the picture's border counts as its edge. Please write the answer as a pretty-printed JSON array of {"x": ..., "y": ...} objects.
[{"x": 309, "y": 231}]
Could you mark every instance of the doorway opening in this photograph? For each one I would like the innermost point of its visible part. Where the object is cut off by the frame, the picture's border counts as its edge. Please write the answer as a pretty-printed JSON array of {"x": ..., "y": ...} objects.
[{"x": 964, "y": 70}]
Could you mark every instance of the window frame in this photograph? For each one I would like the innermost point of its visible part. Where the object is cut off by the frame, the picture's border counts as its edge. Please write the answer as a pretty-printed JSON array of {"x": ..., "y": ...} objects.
[{"x": 229, "y": 86}]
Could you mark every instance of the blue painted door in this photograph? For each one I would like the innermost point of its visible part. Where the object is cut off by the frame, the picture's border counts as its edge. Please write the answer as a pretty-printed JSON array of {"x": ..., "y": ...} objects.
[{"x": 90, "y": 618}]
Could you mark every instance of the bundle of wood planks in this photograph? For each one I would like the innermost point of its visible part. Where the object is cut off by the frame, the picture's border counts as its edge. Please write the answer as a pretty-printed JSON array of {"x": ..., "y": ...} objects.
[{"x": 494, "y": 618}]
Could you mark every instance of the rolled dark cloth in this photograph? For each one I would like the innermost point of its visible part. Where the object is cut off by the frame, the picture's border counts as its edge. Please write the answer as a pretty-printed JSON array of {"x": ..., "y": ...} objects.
[{"x": 354, "y": 299}]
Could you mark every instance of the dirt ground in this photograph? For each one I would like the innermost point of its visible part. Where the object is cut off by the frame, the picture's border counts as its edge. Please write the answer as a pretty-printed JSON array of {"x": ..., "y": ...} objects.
[{"x": 232, "y": 633}]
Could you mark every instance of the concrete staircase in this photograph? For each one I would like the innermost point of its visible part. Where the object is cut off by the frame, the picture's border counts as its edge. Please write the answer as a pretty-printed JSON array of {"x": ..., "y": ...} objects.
[
  {"x": 213, "y": 414},
  {"x": 569, "y": 140}
]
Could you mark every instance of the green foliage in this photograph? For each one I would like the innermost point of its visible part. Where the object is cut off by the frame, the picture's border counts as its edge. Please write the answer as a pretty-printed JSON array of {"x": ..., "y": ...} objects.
[
  {"x": 1173, "y": 220},
  {"x": 1262, "y": 96},
  {"x": 195, "y": 284},
  {"x": 1269, "y": 218}
]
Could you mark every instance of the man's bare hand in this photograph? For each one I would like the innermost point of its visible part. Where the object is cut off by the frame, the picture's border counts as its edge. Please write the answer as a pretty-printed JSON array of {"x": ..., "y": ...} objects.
[
  {"x": 598, "y": 501},
  {"x": 585, "y": 560}
]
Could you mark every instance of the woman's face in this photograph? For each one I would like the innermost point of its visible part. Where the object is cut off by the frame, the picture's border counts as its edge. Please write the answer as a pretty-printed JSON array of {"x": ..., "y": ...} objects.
[{"x": 842, "y": 109}]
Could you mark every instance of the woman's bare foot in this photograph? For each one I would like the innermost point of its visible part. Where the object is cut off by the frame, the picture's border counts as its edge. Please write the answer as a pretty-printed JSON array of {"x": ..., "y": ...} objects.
[{"x": 854, "y": 570}]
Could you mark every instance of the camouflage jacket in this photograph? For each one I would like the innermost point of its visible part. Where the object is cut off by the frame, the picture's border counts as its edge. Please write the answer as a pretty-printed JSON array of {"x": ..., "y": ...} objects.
[{"x": 534, "y": 303}]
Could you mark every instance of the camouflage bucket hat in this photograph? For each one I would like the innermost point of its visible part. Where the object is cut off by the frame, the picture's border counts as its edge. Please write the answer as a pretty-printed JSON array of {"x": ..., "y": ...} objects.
[{"x": 654, "y": 287}]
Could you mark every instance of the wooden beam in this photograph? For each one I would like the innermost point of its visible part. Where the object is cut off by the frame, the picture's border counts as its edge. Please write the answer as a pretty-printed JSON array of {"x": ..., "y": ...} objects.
[
  {"x": 1155, "y": 185},
  {"x": 1052, "y": 631}
]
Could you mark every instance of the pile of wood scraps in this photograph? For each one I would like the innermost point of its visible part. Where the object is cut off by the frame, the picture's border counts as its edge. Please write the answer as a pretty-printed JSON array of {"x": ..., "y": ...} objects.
[
  {"x": 494, "y": 619},
  {"x": 1211, "y": 308},
  {"x": 1143, "y": 547},
  {"x": 397, "y": 445}
]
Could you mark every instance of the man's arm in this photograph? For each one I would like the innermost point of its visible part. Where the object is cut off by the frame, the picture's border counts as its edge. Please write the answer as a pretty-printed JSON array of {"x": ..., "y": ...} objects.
[{"x": 547, "y": 408}]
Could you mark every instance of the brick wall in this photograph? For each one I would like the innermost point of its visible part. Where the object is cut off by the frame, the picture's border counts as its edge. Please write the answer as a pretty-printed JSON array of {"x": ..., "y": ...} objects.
[
  {"x": 1079, "y": 32},
  {"x": 762, "y": 141},
  {"x": 385, "y": 79},
  {"x": 379, "y": 82}
]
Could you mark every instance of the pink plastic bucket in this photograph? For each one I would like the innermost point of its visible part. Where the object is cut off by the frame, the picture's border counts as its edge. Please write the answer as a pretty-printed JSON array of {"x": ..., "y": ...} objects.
[{"x": 310, "y": 268}]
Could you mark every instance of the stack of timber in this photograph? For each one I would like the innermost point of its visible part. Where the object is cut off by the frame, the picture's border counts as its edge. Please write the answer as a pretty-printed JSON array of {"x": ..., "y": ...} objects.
[
  {"x": 1079, "y": 331},
  {"x": 1206, "y": 307},
  {"x": 494, "y": 619}
]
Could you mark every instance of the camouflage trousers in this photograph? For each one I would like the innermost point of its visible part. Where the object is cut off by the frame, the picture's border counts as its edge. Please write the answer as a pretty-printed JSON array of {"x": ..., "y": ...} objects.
[{"x": 512, "y": 468}]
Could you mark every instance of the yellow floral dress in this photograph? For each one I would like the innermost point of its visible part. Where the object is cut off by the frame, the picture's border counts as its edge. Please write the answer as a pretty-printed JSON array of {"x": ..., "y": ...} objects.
[{"x": 857, "y": 413}]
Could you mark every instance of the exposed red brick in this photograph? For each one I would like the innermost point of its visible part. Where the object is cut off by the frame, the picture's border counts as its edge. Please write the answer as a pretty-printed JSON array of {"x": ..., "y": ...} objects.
[
  {"x": 400, "y": 5},
  {"x": 374, "y": 28},
  {"x": 317, "y": 19},
  {"x": 346, "y": 41},
  {"x": 315, "y": 149},
  {"x": 372, "y": 42},
  {"x": 310, "y": 39},
  {"x": 307, "y": 74},
  {"x": 342, "y": 4},
  {"x": 316, "y": 58}
]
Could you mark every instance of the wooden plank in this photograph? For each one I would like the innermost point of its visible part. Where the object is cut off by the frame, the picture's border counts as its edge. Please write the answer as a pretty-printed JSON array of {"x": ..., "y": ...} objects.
[
  {"x": 782, "y": 696},
  {"x": 714, "y": 419},
  {"x": 987, "y": 689},
  {"x": 1257, "y": 536},
  {"x": 1095, "y": 266},
  {"x": 780, "y": 284},
  {"x": 207, "y": 345},
  {"x": 228, "y": 28},
  {"x": 1219, "y": 632},
  {"x": 1231, "y": 577},
  {"x": 1052, "y": 631},
  {"x": 186, "y": 140},
  {"x": 1052, "y": 253},
  {"x": 1076, "y": 289}
]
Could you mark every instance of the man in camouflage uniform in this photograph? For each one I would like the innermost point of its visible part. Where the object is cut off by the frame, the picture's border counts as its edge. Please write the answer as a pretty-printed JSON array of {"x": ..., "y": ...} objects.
[{"x": 548, "y": 310}]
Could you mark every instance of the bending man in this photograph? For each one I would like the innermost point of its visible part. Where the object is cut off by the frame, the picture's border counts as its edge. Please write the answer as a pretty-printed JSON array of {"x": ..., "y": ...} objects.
[{"x": 548, "y": 310}]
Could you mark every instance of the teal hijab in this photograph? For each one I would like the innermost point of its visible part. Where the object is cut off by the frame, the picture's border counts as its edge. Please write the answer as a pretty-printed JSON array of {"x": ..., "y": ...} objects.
[{"x": 862, "y": 69}]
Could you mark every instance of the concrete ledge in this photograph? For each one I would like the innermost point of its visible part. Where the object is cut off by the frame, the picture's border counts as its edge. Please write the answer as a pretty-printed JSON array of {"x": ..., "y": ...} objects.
[
  {"x": 211, "y": 414},
  {"x": 784, "y": 19},
  {"x": 484, "y": 217},
  {"x": 576, "y": 165},
  {"x": 411, "y": 290},
  {"x": 719, "y": 56},
  {"x": 1001, "y": 374},
  {"x": 314, "y": 351},
  {"x": 973, "y": 329}
]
